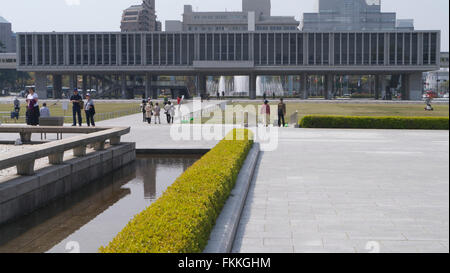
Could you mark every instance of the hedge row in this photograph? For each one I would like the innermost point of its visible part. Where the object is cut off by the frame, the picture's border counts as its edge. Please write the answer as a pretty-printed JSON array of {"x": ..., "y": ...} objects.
[
  {"x": 425, "y": 123},
  {"x": 183, "y": 218}
]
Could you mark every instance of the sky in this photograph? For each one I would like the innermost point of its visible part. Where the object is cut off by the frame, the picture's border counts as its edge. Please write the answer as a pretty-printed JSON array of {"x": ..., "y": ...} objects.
[{"x": 105, "y": 15}]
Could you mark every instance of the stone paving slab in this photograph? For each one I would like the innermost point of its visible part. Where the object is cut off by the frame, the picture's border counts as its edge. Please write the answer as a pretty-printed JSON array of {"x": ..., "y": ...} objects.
[{"x": 337, "y": 190}]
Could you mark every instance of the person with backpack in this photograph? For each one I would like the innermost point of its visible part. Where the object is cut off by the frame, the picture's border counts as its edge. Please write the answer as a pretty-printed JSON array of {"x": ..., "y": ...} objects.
[{"x": 89, "y": 109}]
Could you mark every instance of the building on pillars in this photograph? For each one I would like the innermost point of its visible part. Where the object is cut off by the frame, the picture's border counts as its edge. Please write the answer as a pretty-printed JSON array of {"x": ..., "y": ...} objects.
[{"x": 403, "y": 55}]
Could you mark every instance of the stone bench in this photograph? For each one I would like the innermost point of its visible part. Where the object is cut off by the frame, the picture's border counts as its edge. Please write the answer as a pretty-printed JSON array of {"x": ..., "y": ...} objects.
[
  {"x": 51, "y": 121},
  {"x": 24, "y": 160}
]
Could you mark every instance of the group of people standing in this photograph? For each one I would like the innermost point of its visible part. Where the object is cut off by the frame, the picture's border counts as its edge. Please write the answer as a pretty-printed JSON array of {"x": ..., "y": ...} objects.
[
  {"x": 150, "y": 110},
  {"x": 266, "y": 111},
  {"x": 89, "y": 109},
  {"x": 34, "y": 113}
]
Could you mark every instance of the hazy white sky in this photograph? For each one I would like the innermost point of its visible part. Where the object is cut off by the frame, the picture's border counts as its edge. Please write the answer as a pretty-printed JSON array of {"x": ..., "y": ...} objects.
[{"x": 104, "y": 15}]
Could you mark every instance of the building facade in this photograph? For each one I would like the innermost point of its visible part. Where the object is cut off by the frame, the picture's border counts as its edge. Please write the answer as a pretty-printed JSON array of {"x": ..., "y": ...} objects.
[
  {"x": 255, "y": 15},
  {"x": 7, "y": 37},
  {"x": 8, "y": 61},
  {"x": 140, "y": 18},
  {"x": 351, "y": 15},
  {"x": 252, "y": 54}
]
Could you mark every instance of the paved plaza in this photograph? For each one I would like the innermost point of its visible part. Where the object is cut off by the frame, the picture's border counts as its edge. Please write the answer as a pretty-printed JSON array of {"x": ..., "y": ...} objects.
[
  {"x": 345, "y": 190},
  {"x": 336, "y": 190}
]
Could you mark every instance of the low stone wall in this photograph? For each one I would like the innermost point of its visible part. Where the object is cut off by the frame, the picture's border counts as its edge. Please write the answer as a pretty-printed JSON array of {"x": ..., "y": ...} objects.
[{"x": 25, "y": 194}]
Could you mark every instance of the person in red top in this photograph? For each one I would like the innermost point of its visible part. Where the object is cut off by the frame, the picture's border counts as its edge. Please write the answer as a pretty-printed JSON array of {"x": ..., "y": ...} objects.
[
  {"x": 178, "y": 100},
  {"x": 265, "y": 112}
]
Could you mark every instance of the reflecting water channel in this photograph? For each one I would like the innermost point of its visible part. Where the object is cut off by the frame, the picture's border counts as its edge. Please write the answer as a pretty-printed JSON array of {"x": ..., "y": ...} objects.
[{"x": 91, "y": 217}]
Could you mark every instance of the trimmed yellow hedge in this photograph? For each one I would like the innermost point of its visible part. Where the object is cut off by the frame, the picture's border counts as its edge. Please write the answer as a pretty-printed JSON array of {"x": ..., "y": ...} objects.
[
  {"x": 424, "y": 123},
  {"x": 183, "y": 218}
]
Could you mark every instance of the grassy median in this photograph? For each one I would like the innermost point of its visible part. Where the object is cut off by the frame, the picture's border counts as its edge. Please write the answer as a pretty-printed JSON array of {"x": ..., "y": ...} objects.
[{"x": 104, "y": 110}]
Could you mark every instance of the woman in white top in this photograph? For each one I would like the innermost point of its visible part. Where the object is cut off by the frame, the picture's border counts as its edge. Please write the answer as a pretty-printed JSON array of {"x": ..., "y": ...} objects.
[{"x": 32, "y": 108}]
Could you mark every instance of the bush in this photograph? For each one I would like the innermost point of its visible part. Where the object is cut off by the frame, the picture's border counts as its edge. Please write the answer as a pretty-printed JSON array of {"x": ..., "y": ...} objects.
[
  {"x": 183, "y": 218},
  {"x": 425, "y": 123}
]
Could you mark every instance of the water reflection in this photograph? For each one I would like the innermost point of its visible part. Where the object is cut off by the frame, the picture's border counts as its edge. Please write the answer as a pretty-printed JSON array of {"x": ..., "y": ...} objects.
[{"x": 93, "y": 215}]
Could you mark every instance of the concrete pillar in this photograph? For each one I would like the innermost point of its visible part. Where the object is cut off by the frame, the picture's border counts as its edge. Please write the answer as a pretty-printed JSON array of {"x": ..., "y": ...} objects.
[
  {"x": 404, "y": 88},
  {"x": 123, "y": 86},
  {"x": 148, "y": 86},
  {"x": 26, "y": 168},
  {"x": 41, "y": 85},
  {"x": 252, "y": 86},
  {"x": 154, "y": 91},
  {"x": 329, "y": 80},
  {"x": 383, "y": 86},
  {"x": 84, "y": 85},
  {"x": 57, "y": 86},
  {"x": 377, "y": 87},
  {"x": 303, "y": 86},
  {"x": 415, "y": 86},
  {"x": 73, "y": 82},
  {"x": 201, "y": 84}
]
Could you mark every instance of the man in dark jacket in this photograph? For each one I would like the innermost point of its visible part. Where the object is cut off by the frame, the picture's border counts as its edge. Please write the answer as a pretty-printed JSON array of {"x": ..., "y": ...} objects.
[
  {"x": 76, "y": 101},
  {"x": 281, "y": 113}
]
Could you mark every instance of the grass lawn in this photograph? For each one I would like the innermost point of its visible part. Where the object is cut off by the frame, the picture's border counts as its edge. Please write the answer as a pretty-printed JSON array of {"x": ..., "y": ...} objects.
[
  {"x": 404, "y": 110},
  {"x": 104, "y": 110}
]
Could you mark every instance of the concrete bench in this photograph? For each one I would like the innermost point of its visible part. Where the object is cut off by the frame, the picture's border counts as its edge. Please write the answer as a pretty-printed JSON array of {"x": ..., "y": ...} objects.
[
  {"x": 26, "y": 131},
  {"x": 51, "y": 121},
  {"x": 25, "y": 159}
]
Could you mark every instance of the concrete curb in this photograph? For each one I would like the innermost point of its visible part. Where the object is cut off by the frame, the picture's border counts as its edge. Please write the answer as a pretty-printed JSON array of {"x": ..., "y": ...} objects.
[
  {"x": 222, "y": 237},
  {"x": 172, "y": 151}
]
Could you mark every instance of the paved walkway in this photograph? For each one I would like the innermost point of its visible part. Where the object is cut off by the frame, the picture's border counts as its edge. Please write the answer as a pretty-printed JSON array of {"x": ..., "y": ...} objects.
[
  {"x": 146, "y": 136},
  {"x": 337, "y": 190},
  {"x": 157, "y": 136}
]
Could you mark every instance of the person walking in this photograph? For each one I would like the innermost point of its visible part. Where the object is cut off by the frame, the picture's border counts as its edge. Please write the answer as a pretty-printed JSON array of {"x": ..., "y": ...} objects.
[
  {"x": 264, "y": 96},
  {"x": 281, "y": 113},
  {"x": 89, "y": 109},
  {"x": 148, "y": 112},
  {"x": 76, "y": 101},
  {"x": 157, "y": 113},
  {"x": 16, "y": 108},
  {"x": 171, "y": 112},
  {"x": 265, "y": 112},
  {"x": 167, "y": 108},
  {"x": 33, "y": 108},
  {"x": 143, "y": 104},
  {"x": 44, "y": 112}
]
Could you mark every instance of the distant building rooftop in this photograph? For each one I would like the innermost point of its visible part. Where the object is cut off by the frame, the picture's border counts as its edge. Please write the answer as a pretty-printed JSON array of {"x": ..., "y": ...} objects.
[{"x": 4, "y": 21}]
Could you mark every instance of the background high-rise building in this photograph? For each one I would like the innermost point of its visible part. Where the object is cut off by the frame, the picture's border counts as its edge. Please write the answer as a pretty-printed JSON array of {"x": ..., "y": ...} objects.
[
  {"x": 140, "y": 18},
  {"x": 351, "y": 15},
  {"x": 255, "y": 15},
  {"x": 7, "y": 37}
]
